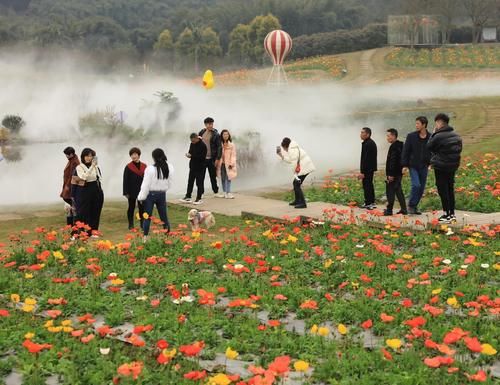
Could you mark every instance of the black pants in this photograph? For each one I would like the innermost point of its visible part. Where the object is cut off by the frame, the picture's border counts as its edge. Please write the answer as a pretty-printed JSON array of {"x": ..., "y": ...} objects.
[
  {"x": 69, "y": 216},
  {"x": 368, "y": 188},
  {"x": 210, "y": 166},
  {"x": 197, "y": 175},
  {"x": 394, "y": 189},
  {"x": 90, "y": 205},
  {"x": 131, "y": 211},
  {"x": 297, "y": 189},
  {"x": 445, "y": 183}
]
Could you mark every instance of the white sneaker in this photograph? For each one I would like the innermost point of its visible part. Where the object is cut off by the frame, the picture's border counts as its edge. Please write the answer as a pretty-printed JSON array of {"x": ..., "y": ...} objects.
[
  {"x": 185, "y": 200},
  {"x": 144, "y": 239},
  {"x": 220, "y": 195},
  {"x": 197, "y": 202},
  {"x": 72, "y": 238},
  {"x": 229, "y": 196}
]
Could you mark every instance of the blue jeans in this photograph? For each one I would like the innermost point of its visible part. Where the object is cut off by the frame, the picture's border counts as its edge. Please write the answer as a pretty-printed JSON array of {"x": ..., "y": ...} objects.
[
  {"x": 158, "y": 198},
  {"x": 226, "y": 183},
  {"x": 418, "y": 180}
]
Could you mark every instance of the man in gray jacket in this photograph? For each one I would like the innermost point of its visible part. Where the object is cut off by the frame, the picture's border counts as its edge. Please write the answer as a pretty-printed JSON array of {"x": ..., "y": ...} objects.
[{"x": 445, "y": 146}]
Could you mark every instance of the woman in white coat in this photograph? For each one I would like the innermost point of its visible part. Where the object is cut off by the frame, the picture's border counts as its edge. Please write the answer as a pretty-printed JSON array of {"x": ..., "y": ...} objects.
[{"x": 302, "y": 166}]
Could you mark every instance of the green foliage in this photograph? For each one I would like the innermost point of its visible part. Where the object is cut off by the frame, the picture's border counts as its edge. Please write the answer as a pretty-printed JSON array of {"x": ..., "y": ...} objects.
[
  {"x": 259, "y": 28},
  {"x": 329, "y": 43},
  {"x": 13, "y": 122},
  {"x": 240, "y": 47}
]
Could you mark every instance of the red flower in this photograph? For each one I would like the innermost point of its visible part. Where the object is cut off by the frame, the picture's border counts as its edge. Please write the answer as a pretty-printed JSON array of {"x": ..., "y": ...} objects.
[
  {"x": 195, "y": 375},
  {"x": 4, "y": 313},
  {"x": 162, "y": 344},
  {"x": 386, "y": 318},
  {"x": 367, "y": 324},
  {"x": 480, "y": 376},
  {"x": 35, "y": 348},
  {"x": 387, "y": 355},
  {"x": 415, "y": 322},
  {"x": 133, "y": 369},
  {"x": 309, "y": 304},
  {"x": 193, "y": 349},
  {"x": 473, "y": 344}
]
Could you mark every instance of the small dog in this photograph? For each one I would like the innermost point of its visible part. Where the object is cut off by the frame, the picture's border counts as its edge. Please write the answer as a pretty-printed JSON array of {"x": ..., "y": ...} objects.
[{"x": 197, "y": 218}]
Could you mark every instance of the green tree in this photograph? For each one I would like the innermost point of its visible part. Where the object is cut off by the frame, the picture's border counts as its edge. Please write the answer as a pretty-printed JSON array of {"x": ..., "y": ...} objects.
[
  {"x": 198, "y": 44},
  {"x": 259, "y": 28},
  {"x": 164, "y": 43},
  {"x": 239, "y": 44}
]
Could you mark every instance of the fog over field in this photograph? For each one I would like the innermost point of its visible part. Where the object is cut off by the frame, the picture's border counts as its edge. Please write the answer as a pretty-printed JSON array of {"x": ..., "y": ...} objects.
[{"x": 52, "y": 95}]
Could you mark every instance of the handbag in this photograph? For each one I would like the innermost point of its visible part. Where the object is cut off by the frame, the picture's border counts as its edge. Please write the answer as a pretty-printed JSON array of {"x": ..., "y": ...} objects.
[{"x": 297, "y": 167}]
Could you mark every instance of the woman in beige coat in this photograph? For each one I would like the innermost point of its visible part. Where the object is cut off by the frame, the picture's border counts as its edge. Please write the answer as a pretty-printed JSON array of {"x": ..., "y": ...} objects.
[{"x": 227, "y": 165}]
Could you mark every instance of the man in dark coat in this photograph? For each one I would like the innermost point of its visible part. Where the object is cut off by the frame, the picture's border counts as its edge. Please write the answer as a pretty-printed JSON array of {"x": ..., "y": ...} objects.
[
  {"x": 368, "y": 167},
  {"x": 197, "y": 155},
  {"x": 394, "y": 173},
  {"x": 445, "y": 146},
  {"x": 132, "y": 180},
  {"x": 417, "y": 158},
  {"x": 66, "y": 189},
  {"x": 210, "y": 136}
]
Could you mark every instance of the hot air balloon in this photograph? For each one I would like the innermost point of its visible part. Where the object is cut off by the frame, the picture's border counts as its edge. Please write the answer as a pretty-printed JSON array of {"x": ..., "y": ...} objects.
[
  {"x": 278, "y": 45},
  {"x": 208, "y": 80}
]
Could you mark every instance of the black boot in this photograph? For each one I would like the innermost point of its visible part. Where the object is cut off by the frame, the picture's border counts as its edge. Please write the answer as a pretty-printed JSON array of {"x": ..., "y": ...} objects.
[{"x": 69, "y": 220}]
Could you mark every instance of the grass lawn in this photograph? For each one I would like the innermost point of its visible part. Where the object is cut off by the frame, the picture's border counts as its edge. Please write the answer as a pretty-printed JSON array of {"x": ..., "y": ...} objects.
[{"x": 114, "y": 222}]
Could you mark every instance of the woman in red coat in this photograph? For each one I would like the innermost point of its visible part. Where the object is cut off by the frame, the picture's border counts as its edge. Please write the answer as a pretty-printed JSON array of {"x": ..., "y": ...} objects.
[{"x": 66, "y": 189}]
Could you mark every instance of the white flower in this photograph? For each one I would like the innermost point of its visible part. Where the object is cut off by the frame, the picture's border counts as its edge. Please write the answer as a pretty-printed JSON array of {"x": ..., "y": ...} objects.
[
  {"x": 176, "y": 301},
  {"x": 464, "y": 267},
  {"x": 360, "y": 246},
  {"x": 449, "y": 232},
  {"x": 485, "y": 265},
  {"x": 239, "y": 266},
  {"x": 187, "y": 298},
  {"x": 113, "y": 275},
  {"x": 104, "y": 351},
  {"x": 224, "y": 267},
  {"x": 272, "y": 257},
  {"x": 142, "y": 298},
  {"x": 446, "y": 261}
]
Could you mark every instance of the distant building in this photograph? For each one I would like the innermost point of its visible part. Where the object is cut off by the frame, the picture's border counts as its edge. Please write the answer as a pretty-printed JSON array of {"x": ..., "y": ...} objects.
[{"x": 414, "y": 30}]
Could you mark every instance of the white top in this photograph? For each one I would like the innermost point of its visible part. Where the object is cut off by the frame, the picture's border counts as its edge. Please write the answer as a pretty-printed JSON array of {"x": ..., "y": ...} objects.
[
  {"x": 152, "y": 183},
  {"x": 88, "y": 174},
  {"x": 296, "y": 153}
]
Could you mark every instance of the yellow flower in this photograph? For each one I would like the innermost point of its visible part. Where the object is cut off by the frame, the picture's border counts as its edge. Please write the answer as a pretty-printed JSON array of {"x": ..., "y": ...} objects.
[
  {"x": 314, "y": 329},
  {"x": 195, "y": 234},
  {"x": 231, "y": 354},
  {"x": 219, "y": 379},
  {"x": 323, "y": 331},
  {"x": 291, "y": 238},
  {"x": 81, "y": 250},
  {"x": 342, "y": 329},
  {"x": 407, "y": 256},
  {"x": 436, "y": 291},
  {"x": 66, "y": 322},
  {"x": 328, "y": 263},
  {"x": 283, "y": 242},
  {"x": 145, "y": 215},
  {"x": 29, "y": 335},
  {"x": 30, "y": 301},
  {"x": 394, "y": 343},
  {"x": 15, "y": 298},
  {"x": 67, "y": 329},
  {"x": 28, "y": 275},
  {"x": 28, "y": 308},
  {"x": 138, "y": 217},
  {"x": 496, "y": 266},
  {"x": 117, "y": 281},
  {"x": 301, "y": 366},
  {"x": 49, "y": 323},
  {"x": 58, "y": 255},
  {"x": 452, "y": 301},
  {"x": 488, "y": 350},
  {"x": 169, "y": 353}
]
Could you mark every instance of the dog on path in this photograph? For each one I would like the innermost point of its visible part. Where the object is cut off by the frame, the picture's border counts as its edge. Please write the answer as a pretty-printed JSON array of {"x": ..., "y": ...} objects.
[{"x": 200, "y": 218}]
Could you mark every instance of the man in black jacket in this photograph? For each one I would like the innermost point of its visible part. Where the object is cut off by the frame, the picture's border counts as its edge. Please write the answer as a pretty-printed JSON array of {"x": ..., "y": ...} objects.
[
  {"x": 394, "y": 173},
  {"x": 368, "y": 167},
  {"x": 445, "y": 146},
  {"x": 212, "y": 140},
  {"x": 197, "y": 164},
  {"x": 417, "y": 158},
  {"x": 132, "y": 180}
]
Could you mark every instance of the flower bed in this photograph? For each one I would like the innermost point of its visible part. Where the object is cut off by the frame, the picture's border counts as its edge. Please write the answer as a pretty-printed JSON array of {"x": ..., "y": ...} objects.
[
  {"x": 469, "y": 56},
  {"x": 477, "y": 187},
  {"x": 262, "y": 303}
]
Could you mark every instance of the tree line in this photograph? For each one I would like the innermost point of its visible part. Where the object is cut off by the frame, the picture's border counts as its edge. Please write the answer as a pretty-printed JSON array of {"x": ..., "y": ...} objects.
[{"x": 188, "y": 34}]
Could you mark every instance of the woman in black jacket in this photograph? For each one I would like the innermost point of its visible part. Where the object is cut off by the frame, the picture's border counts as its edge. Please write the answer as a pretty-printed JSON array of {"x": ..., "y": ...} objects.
[
  {"x": 445, "y": 146},
  {"x": 132, "y": 180}
]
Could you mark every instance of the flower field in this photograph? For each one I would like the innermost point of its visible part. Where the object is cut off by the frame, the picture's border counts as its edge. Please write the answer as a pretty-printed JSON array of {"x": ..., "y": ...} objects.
[
  {"x": 477, "y": 187},
  {"x": 261, "y": 303},
  {"x": 476, "y": 56}
]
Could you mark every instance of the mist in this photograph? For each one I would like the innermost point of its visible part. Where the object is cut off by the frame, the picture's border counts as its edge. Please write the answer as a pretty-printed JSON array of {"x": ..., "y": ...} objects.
[{"x": 51, "y": 96}]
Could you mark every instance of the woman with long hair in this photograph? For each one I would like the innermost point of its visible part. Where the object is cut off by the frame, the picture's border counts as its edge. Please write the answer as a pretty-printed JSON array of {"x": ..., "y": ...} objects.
[
  {"x": 227, "y": 166},
  {"x": 156, "y": 182},
  {"x": 87, "y": 192}
]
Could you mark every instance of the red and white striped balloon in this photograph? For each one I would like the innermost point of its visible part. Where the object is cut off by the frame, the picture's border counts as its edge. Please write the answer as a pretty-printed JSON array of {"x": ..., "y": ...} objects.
[{"x": 278, "y": 44}]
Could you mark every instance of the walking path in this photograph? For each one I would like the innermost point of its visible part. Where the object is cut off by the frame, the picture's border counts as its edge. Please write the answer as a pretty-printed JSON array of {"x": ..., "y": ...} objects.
[{"x": 255, "y": 206}]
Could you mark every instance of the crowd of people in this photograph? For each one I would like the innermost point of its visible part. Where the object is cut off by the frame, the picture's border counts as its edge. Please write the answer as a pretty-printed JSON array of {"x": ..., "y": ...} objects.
[{"x": 145, "y": 186}]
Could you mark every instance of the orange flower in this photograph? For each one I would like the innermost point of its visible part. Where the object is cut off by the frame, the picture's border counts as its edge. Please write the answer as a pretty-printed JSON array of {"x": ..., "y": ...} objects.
[
  {"x": 193, "y": 349},
  {"x": 387, "y": 355},
  {"x": 367, "y": 324},
  {"x": 280, "y": 366},
  {"x": 35, "y": 348},
  {"x": 386, "y": 318},
  {"x": 141, "y": 281},
  {"x": 87, "y": 339},
  {"x": 133, "y": 369},
  {"x": 309, "y": 304}
]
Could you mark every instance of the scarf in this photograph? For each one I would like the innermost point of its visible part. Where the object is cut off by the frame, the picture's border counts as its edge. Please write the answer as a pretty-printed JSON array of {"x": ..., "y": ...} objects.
[{"x": 138, "y": 171}]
